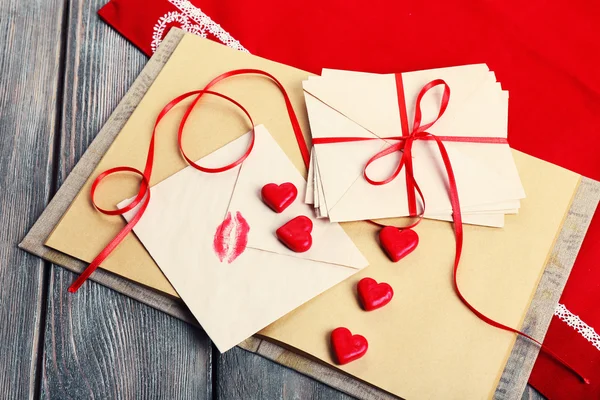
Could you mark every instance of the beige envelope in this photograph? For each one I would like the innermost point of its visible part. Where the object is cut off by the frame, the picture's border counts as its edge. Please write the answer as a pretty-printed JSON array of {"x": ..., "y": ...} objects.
[
  {"x": 424, "y": 344},
  {"x": 232, "y": 293},
  {"x": 344, "y": 103},
  {"x": 493, "y": 218}
]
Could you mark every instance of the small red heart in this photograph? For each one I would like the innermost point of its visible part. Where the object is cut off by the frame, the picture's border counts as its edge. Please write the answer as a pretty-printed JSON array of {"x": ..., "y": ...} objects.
[
  {"x": 374, "y": 295},
  {"x": 279, "y": 197},
  {"x": 348, "y": 347},
  {"x": 398, "y": 243},
  {"x": 295, "y": 234}
]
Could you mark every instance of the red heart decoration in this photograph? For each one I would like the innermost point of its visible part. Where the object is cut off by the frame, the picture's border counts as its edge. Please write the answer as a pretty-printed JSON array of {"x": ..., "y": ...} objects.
[
  {"x": 295, "y": 234},
  {"x": 398, "y": 243},
  {"x": 348, "y": 347},
  {"x": 374, "y": 295},
  {"x": 279, "y": 197}
]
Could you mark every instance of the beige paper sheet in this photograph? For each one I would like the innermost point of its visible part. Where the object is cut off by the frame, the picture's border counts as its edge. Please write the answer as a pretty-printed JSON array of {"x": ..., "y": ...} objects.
[
  {"x": 83, "y": 232},
  {"x": 424, "y": 344},
  {"x": 235, "y": 298}
]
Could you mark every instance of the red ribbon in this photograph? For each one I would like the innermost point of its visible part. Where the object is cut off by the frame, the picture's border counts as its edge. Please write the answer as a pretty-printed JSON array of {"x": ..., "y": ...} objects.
[
  {"x": 405, "y": 142},
  {"x": 143, "y": 195},
  {"x": 404, "y": 145}
]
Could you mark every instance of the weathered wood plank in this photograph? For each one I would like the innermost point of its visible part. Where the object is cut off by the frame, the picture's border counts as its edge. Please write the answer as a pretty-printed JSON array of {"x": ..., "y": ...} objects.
[
  {"x": 30, "y": 57},
  {"x": 244, "y": 375},
  {"x": 531, "y": 394},
  {"x": 99, "y": 343},
  {"x": 314, "y": 369}
]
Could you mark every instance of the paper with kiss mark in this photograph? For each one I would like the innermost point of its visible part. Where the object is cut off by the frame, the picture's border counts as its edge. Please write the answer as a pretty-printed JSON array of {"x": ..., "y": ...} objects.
[
  {"x": 309, "y": 194},
  {"x": 194, "y": 227},
  {"x": 231, "y": 237}
]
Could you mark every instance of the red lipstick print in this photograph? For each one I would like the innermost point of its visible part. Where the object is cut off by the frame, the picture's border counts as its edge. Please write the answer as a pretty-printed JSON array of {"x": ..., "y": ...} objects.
[{"x": 231, "y": 237}]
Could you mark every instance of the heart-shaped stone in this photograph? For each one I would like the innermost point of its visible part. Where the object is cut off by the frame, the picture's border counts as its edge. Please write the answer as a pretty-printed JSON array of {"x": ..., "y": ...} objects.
[
  {"x": 295, "y": 234},
  {"x": 398, "y": 243},
  {"x": 279, "y": 197},
  {"x": 374, "y": 295},
  {"x": 346, "y": 346}
]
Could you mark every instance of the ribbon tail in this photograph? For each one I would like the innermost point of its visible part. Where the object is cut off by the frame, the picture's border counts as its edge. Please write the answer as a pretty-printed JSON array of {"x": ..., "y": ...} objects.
[
  {"x": 410, "y": 180},
  {"x": 458, "y": 231},
  {"x": 91, "y": 268}
]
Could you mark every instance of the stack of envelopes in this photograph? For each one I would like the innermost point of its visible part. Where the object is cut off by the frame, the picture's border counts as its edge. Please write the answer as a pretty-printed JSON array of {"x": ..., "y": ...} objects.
[{"x": 365, "y": 105}]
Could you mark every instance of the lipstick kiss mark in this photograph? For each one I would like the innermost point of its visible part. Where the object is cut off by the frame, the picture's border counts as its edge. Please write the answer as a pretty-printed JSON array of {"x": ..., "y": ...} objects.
[{"x": 231, "y": 237}]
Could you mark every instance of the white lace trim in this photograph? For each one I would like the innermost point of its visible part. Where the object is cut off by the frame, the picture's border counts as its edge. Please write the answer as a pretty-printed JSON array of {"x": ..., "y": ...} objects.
[
  {"x": 191, "y": 19},
  {"x": 576, "y": 323}
]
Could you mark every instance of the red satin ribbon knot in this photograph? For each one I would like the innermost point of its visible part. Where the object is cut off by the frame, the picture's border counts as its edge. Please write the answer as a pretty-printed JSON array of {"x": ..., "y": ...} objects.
[{"x": 405, "y": 143}]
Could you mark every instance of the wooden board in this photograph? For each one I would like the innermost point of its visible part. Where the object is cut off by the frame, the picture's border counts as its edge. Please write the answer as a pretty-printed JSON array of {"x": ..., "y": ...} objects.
[
  {"x": 28, "y": 110},
  {"x": 101, "y": 342},
  {"x": 514, "y": 380},
  {"x": 243, "y": 375}
]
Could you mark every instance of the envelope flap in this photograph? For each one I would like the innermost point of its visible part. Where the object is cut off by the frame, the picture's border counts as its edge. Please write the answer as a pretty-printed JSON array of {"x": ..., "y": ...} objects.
[
  {"x": 232, "y": 298},
  {"x": 477, "y": 105},
  {"x": 342, "y": 162},
  {"x": 269, "y": 164},
  {"x": 371, "y": 100}
]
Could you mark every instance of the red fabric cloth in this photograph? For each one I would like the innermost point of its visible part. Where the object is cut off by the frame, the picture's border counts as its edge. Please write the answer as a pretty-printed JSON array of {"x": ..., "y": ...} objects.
[{"x": 545, "y": 53}]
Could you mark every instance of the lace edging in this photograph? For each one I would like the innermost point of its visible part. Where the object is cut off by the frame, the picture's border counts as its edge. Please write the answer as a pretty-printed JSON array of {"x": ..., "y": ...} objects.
[
  {"x": 578, "y": 324},
  {"x": 192, "y": 20}
]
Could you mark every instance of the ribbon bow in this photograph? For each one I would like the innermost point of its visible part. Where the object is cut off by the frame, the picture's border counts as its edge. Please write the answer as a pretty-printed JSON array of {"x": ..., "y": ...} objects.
[{"x": 406, "y": 141}]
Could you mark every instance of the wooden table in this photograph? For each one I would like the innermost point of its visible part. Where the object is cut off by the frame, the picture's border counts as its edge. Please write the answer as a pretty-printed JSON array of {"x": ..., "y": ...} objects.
[{"x": 62, "y": 73}]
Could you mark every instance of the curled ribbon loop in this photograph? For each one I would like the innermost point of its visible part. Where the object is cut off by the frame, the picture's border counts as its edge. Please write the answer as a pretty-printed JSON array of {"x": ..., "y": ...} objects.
[
  {"x": 417, "y": 128},
  {"x": 142, "y": 197},
  {"x": 405, "y": 146},
  {"x": 182, "y": 125}
]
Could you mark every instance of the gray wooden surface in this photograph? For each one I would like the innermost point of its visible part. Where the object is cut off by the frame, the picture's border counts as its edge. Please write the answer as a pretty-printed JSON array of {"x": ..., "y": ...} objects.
[{"x": 62, "y": 71}]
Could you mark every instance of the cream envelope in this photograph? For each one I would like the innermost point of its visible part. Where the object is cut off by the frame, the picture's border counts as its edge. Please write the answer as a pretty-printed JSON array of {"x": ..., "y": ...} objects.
[
  {"x": 380, "y": 117},
  {"x": 309, "y": 193},
  {"x": 233, "y": 298},
  {"x": 488, "y": 218},
  {"x": 365, "y": 105}
]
